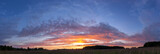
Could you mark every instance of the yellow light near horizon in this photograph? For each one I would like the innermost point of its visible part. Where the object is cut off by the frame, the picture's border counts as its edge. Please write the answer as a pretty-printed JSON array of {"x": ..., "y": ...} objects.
[
  {"x": 78, "y": 42},
  {"x": 76, "y": 47}
]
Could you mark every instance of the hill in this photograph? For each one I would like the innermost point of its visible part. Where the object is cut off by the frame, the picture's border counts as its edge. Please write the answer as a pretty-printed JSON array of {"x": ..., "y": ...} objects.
[{"x": 103, "y": 47}]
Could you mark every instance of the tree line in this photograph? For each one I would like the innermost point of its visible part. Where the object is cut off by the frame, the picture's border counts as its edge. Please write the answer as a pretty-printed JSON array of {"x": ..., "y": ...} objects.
[
  {"x": 4, "y": 47},
  {"x": 147, "y": 44}
]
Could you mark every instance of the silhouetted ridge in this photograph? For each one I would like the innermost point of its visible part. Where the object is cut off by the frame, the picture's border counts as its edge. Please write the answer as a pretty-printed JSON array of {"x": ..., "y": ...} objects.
[
  {"x": 103, "y": 47},
  {"x": 152, "y": 44}
]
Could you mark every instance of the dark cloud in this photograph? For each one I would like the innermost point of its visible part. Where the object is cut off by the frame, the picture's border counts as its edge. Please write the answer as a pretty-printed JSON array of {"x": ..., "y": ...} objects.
[
  {"x": 149, "y": 33},
  {"x": 52, "y": 26},
  {"x": 63, "y": 25},
  {"x": 152, "y": 31},
  {"x": 64, "y": 30},
  {"x": 68, "y": 31}
]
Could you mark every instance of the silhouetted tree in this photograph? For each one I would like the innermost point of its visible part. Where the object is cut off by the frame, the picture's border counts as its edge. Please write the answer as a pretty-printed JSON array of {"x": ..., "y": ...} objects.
[
  {"x": 4, "y": 47},
  {"x": 28, "y": 48},
  {"x": 152, "y": 44}
]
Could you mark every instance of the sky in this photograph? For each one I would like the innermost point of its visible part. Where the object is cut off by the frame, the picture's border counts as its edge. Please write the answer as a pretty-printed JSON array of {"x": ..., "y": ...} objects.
[{"x": 73, "y": 24}]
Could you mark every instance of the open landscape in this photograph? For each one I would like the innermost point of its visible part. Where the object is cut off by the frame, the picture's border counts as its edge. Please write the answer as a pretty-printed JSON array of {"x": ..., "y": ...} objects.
[
  {"x": 79, "y": 26},
  {"x": 152, "y": 50},
  {"x": 148, "y": 48}
]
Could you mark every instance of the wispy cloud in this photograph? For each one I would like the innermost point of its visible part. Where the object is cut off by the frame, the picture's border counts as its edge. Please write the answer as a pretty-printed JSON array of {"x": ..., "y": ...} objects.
[
  {"x": 72, "y": 32},
  {"x": 72, "y": 24}
]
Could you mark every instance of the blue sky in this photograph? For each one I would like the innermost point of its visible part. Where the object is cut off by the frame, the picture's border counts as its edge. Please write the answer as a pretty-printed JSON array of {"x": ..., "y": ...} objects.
[
  {"x": 119, "y": 14},
  {"x": 130, "y": 17}
]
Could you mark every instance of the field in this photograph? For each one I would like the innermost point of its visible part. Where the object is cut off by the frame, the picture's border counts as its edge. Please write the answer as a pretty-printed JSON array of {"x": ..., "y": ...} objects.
[{"x": 107, "y": 51}]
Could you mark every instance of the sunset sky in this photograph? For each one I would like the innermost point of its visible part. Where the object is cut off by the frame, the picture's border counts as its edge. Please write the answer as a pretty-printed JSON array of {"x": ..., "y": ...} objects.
[{"x": 73, "y": 24}]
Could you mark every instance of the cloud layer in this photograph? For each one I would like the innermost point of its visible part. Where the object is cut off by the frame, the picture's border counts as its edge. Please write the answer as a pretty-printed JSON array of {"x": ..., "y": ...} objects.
[
  {"x": 81, "y": 24},
  {"x": 68, "y": 33},
  {"x": 73, "y": 32}
]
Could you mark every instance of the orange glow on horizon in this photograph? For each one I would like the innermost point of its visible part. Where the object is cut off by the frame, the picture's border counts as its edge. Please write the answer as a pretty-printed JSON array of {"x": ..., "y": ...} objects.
[{"x": 80, "y": 41}]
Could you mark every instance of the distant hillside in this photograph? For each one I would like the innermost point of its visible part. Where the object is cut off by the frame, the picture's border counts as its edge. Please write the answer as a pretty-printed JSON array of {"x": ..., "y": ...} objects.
[
  {"x": 152, "y": 44},
  {"x": 103, "y": 47}
]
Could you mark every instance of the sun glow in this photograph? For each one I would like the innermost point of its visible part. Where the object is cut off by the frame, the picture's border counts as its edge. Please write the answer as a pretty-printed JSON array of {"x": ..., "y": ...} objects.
[
  {"x": 79, "y": 41},
  {"x": 78, "y": 44}
]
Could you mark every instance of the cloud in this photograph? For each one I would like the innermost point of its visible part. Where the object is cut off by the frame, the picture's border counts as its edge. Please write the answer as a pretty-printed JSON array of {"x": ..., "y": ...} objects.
[
  {"x": 152, "y": 31},
  {"x": 71, "y": 32},
  {"x": 38, "y": 23},
  {"x": 149, "y": 16},
  {"x": 7, "y": 29},
  {"x": 149, "y": 33},
  {"x": 68, "y": 34},
  {"x": 148, "y": 11}
]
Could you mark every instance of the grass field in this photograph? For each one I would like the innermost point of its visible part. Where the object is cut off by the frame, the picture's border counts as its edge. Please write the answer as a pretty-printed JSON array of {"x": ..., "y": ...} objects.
[{"x": 107, "y": 51}]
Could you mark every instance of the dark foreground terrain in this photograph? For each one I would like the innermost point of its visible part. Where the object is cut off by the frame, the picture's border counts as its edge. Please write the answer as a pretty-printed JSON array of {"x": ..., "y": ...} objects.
[{"x": 151, "y": 50}]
